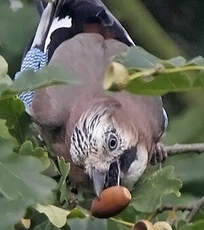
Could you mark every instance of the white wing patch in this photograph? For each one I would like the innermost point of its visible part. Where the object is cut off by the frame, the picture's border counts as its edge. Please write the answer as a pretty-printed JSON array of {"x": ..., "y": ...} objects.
[{"x": 56, "y": 24}]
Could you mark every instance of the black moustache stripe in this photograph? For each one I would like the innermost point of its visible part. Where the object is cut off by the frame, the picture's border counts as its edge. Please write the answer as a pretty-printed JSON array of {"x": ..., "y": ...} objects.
[{"x": 126, "y": 159}]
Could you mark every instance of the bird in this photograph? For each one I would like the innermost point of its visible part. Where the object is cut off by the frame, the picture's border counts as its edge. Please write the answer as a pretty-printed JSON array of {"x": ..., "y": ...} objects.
[{"x": 109, "y": 138}]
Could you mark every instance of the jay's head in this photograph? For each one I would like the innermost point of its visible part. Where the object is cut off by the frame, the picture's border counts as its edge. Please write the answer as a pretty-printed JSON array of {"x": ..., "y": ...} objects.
[{"x": 105, "y": 143}]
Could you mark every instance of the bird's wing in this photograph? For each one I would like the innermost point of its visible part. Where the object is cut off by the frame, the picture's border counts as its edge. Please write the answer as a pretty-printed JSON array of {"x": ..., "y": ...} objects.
[
  {"x": 86, "y": 56},
  {"x": 60, "y": 21}
]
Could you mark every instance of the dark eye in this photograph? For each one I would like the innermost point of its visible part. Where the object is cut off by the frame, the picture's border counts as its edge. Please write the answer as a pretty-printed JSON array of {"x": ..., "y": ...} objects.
[{"x": 112, "y": 142}]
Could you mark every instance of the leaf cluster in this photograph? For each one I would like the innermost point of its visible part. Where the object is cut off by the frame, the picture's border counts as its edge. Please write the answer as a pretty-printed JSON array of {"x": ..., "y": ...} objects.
[
  {"x": 31, "y": 197},
  {"x": 149, "y": 75}
]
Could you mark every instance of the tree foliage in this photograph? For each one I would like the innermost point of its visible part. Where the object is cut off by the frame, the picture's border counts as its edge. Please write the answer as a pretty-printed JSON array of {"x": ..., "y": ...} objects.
[
  {"x": 33, "y": 190},
  {"x": 24, "y": 182}
]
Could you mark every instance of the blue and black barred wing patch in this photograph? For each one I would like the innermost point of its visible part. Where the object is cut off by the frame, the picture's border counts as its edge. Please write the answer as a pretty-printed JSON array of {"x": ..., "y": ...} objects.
[{"x": 35, "y": 59}]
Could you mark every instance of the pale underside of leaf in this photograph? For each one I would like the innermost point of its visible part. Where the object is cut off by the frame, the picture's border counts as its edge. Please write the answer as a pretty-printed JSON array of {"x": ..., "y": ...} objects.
[{"x": 57, "y": 216}]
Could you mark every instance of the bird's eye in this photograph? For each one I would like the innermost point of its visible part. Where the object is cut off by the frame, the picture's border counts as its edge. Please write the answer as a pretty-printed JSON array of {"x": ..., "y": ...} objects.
[{"x": 112, "y": 142}]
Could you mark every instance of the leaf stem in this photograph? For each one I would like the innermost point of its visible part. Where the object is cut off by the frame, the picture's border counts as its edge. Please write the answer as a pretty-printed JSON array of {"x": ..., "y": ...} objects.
[
  {"x": 160, "y": 70},
  {"x": 196, "y": 208},
  {"x": 182, "y": 69},
  {"x": 129, "y": 224}
]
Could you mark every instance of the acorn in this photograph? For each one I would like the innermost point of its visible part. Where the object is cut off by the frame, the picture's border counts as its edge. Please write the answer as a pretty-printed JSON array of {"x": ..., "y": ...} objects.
[
  {"x": 143, "y": 225},
  {"x": 111, "y": 202},
  {"x": 162, "y": 225}
]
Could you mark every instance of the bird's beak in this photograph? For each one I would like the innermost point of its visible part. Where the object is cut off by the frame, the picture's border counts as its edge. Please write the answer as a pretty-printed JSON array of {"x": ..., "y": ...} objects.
[
  {"x": 98, "y": 181},
  {"x": 107, "y": 179}
]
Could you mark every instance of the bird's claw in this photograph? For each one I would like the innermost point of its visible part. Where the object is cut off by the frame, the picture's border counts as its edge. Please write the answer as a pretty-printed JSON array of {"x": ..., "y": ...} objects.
[{"x": 159, "y": 154}]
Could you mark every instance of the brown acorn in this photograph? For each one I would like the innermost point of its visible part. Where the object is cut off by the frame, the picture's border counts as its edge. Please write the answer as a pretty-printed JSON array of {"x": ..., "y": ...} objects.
[
  {"x": 111, "y": 202},
  {"x": 143, "y": 225}
]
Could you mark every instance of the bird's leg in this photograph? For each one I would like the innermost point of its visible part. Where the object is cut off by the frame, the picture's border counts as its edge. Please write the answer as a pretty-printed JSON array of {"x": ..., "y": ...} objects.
[
  {"x": 73, "y": 200},
  {"x": 159, "y": 154}
]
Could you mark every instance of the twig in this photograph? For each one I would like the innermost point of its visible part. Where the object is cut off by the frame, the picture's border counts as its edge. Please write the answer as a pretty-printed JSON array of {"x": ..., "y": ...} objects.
[
  {"x": 175, "y": 208},
  {"x": 184, "y": 148},
  {"x": 195, "y": 209},
  {"x": 170, "y": 208},
  {"x": 128, "y": 224},
  {"x": 160, "y": 70}
]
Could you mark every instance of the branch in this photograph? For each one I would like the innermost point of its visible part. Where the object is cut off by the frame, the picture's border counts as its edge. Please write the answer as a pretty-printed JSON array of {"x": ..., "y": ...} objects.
[
  {"x": 176, "y": 208},
  {"x": 161, "y": 70},
  {"x": 195, "y": 209},
  {"x": 184, "y": 148},
  {"x": 170, "y": 208}
]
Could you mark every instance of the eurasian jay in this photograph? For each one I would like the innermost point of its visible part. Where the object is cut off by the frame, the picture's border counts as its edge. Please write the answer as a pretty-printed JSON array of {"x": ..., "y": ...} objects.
[{"x": 108, "y": 138}]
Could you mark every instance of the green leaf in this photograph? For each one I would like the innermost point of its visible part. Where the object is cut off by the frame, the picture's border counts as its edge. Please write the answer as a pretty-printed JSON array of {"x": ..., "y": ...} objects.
[
  {"x": 4, "y": 131},
  {"x": 21, "y": 184},
  {"x": 46, "y": 225},
  {"x": 57, "y": 216},
  {"x": 29, "y": 80},
  {"x": 76, "y": 213},
  {"x": 199, "y": 225},
  {"x": 13, "y": 111},
  {"x": 87, "y": 224},
  {"x": 129, "y": 214},
  {"x": 11, "y": 211},
  {"x": 64, "y": 171},
  {"x": 150, "y": 75},
  {"x": 47, "y": 76},
  {"x": 28, "y": 149},
  {"x": 24, "y": 172},
  {"x": 174, "y": 62},
  {"x": 114, "y": 225},
  {"x": 197, "y": 61},
  {"x": 148, "y": 193},
  {"x": 139, "y": 58},
  {"x": 6, "y": 147},
  {"x": 5, "y": 80},
  {"x": 6, "y": 92},
  {"x": 163, "y": 83},
  {"x": 3, "y": 67}
]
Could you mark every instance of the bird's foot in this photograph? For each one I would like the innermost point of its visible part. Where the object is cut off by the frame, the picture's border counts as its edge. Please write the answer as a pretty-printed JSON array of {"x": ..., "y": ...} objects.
[{"x": 159, "y": 155}]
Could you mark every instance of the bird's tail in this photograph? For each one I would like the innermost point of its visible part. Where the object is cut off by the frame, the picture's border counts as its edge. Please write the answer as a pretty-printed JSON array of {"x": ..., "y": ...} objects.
[
  {"x": 63, "y": 19},
  {"x": 40, "y": 5}
]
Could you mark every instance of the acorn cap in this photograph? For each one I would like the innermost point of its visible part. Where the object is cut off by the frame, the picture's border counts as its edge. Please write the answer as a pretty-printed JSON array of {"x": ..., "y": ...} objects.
[{"x": 143, "y": 225}]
